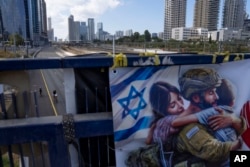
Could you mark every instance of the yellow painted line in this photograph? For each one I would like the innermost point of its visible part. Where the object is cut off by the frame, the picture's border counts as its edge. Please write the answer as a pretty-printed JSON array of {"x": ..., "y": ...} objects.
[{"x": 51, "y": 101}]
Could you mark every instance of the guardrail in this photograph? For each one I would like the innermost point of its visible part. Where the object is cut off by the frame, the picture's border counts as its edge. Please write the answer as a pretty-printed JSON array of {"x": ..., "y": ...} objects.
[{"x": 54, "y": 130}]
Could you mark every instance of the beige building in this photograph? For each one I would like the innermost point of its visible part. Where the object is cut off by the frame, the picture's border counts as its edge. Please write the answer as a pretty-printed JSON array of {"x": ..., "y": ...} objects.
[
  {"x": 234, "y": 14},
  {"x": 175, "y": 16},
  {"x": 206, "y": 14}
]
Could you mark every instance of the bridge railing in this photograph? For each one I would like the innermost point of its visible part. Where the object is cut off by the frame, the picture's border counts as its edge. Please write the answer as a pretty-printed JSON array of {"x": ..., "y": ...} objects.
[{"x": 59, "y": 131}]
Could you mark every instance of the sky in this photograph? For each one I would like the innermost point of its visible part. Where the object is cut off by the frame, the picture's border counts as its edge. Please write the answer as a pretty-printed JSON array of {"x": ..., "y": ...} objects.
[{"x": 116, "y": 15}]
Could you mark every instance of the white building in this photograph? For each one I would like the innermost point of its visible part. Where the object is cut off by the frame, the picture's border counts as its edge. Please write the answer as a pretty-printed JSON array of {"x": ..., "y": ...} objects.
[
  {"x": 161, "y": 35},
  {"x": 229, "y": 34},
  {"x": 118, "y": 34},
  {"x": 184, "y": 33},
  {"x": 129, "y": 33}
]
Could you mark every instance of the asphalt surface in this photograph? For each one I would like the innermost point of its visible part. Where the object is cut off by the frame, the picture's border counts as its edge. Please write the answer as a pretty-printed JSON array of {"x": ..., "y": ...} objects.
[{"x": 48, "y": 80}]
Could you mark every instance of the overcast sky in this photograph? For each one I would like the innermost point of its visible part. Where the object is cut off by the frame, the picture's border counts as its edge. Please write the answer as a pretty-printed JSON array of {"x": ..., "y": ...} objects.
[{"x": 138, "y": 15}]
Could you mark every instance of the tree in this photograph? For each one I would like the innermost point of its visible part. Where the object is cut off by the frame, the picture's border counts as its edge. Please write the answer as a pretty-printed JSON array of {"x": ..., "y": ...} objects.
[
  {"x": 17, "y": 38},
  {"x": 210, "y": 39},
  {"x": 136, "y": 36},
  {"x": 147, "y": 36}
]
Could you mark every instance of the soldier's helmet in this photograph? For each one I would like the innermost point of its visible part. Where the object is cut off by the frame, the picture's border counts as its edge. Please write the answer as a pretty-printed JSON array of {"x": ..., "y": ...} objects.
[{"x": 197, "y": 80}]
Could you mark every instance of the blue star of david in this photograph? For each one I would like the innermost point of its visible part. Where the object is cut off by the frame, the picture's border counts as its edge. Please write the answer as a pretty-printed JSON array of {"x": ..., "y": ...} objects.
[{"x": 133, "y": 103}]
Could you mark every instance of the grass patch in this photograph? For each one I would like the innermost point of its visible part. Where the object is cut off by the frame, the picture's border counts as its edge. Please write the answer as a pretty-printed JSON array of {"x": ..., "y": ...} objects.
[
  {"x": 7, "y": 54},
  {"x": 6, "y": 162}
]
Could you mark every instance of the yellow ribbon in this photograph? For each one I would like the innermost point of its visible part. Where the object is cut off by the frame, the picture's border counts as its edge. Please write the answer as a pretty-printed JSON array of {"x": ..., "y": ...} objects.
[
  {"x": 239, "y": 56},
  {"x": 151, "y": 54},
  {"x": 156, "y": 60},
  {"x": 225, "y": 59},
  {"x": 120, "y": 60},
  {"x": 214, "y": 58},
  {"x": 147, "y": 54}
]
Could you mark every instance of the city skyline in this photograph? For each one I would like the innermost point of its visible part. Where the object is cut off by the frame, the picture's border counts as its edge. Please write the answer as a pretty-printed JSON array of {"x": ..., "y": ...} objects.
[{"x": 116, "y": 15}]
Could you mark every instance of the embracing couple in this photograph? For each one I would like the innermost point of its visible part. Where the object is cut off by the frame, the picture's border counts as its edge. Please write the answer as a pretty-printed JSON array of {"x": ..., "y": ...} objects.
[{"x": 204, "y": 133}]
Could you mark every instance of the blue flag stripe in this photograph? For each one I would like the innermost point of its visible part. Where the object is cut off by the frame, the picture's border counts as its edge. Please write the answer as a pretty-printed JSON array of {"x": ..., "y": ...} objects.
[
  {"x": 140, "y": 74},
  {"x": 142, "y": 123}
]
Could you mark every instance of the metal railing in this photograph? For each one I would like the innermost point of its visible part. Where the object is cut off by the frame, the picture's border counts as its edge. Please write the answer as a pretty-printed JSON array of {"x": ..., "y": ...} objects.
[{"x": 50, "y": 134}]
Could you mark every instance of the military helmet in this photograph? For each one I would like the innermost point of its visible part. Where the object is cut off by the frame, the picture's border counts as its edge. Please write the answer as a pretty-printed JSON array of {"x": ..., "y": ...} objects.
[{"x": 196, "y": 80}]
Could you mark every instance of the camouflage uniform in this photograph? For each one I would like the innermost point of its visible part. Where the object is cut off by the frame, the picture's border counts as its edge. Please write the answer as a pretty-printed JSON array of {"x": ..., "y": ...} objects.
[{"x": 196, "y": 138}]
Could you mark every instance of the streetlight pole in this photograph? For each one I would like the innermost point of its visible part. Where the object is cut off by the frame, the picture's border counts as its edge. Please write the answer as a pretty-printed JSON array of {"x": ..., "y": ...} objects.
[
  {"x": 14, "y": 37},
  {"x": 27, "y": 49},
  {"x": 114, "y": 45},
  {"x": 204, "y": 46}
]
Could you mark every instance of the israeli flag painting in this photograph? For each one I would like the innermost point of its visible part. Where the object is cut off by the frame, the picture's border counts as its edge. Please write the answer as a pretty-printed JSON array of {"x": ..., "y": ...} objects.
[{"x": 131, "y": 95}]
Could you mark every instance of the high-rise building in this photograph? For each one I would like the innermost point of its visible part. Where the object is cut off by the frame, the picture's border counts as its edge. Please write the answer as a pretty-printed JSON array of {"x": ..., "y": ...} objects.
[
  {"x": 234, "y": 14},
  {"x": 83, "y": 31},
  {"x": 71, "y": 28},
  {"x": 43, "y": 16},
  {"x": 246, "y": 26},
  {"x": 206, "y": 14},
  {"x": 26, "y": 18},
  {"x": 50, "y": 30},
  {"x": 1, "y": 25},
  {"x": 12, "y": 18},
  {"x": 99, "y": 32},
  {"x": 49, "y": 23},
  {"x": 77, "y": 31},
  {"x": 28, "y": 22},
  {"x": 91, "y": 29},
  {"x": 175, "y": 16},
  {"x": 39, "y": 21}
]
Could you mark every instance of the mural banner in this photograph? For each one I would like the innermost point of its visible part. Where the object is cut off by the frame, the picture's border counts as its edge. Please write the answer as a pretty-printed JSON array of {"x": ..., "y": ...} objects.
[{"x": 180, "y": 114}]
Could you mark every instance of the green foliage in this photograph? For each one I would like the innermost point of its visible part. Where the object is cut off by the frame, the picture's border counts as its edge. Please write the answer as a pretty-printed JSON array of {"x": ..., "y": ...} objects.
[
  {"x": 147, "y": 36},
  {"x": 16, "y": 39},
  {"x": 145, "y": 40},
  {"x": 136, "y": 36}
]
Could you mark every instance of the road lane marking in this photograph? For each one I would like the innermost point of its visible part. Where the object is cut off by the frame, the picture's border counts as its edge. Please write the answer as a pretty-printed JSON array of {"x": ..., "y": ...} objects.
[{"x": 51, "y": 101}]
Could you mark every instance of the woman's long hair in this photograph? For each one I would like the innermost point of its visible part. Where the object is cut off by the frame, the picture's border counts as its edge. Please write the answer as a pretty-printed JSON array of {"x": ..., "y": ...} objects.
[{"x": 159, "y": 97}]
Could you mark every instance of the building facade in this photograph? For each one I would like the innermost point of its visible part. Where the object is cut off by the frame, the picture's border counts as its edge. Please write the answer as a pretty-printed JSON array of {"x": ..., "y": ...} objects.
[
  {"x": 39, "y": 21},
  {"x": 50, "y": 30},
  {"x": 183, "y": 34},
  {"x": 83, "y": 31},
  {"x": 77, "y": 31},
  {"x": 206, "y": 14},
  {"x": 119, "y": 34},
  {"x": 99, "y": 32},
  {"x": 174, "y": 16},
  {"x": 12, "y": 20},
  {"x": 128, "y": 33},
  {"x": 246, "y": 25},
  {"x": 71, "y": 28},
  {"x": 234, "y": 14},
  {"x": 91, "y": 29}
]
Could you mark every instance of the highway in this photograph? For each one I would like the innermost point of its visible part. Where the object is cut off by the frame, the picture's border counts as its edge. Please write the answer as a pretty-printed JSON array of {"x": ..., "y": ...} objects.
[{"x": 48, "y": 80}]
